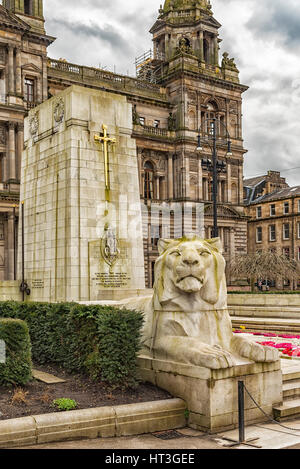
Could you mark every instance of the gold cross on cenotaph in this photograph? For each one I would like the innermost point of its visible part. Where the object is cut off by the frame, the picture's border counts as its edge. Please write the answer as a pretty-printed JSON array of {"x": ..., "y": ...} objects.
[{"x": 106, "y": 140}]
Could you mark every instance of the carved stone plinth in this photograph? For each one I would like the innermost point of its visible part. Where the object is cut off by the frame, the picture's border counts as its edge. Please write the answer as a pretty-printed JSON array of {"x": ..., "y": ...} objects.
[{"x": 211, "y": 396}]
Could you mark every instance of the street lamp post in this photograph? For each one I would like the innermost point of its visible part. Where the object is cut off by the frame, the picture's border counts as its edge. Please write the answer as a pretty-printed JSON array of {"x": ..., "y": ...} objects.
[{"x": 214, "y": 166}]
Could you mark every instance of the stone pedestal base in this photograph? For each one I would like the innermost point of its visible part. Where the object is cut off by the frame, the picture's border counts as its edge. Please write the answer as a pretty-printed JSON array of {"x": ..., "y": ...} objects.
[{"x": 211, "y": 396}]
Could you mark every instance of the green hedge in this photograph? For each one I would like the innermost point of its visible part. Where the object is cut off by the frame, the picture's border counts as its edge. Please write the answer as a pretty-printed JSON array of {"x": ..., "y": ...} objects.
[
  {"x": 17, "y": 369},
  {"x": 102, "y": 342}
]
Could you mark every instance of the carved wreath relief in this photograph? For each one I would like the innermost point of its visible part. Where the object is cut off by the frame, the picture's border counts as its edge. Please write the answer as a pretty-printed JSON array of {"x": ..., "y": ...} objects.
[
  {"x": 34, "y": 124},
  {"x": 110, "y": 246},
  {"x": 59, "y": 111}
]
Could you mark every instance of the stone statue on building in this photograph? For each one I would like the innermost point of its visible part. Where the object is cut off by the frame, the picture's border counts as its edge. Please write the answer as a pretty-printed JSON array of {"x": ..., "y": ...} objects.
[{"x": 171, "y": 122}]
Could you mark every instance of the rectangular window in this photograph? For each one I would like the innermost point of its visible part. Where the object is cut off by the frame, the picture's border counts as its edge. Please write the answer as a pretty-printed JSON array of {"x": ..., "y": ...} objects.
[
  {"x": 272, "y": 210},
  {"x": 142, "y": 120},
  {"x": 259, "y": 234},
  {"x": 28, "y": 7},
  {"x": 286, "y": 252},
  {"x": 29, "y": 92},
  {"x": 286, "y": 208},
  {"x": 258, "y": 212},
  {"x": 286, "y": 231},
  {"x": 272, "y": 233},
  {"x": 156, "y": 124}
]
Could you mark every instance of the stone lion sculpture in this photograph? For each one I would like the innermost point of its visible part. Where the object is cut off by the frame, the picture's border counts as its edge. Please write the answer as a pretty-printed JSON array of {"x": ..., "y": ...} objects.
[{"x": 187, "y": 320}]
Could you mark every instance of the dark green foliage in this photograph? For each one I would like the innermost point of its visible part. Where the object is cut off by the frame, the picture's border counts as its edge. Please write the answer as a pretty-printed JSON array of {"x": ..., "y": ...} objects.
[
  {"x": 17, "y": 369},
  {"x": 102, "y": 342}
]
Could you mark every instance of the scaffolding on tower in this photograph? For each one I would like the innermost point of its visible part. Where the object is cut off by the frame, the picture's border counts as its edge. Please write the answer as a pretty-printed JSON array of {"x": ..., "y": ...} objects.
[{"x": 146, "y": 66}]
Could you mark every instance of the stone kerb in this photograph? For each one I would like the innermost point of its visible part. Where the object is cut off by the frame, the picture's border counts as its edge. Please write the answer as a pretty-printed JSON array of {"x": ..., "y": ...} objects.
[{"x": 102, "y": 422}]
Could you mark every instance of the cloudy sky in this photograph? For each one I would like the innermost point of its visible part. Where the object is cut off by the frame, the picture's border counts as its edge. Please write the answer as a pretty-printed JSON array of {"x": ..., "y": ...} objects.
[{"x": 262, "y": 35}]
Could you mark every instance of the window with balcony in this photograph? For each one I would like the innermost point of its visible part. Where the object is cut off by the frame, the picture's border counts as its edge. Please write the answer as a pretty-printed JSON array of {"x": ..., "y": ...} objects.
[
  {"x": 156, "y": 124},
  {"x": 29, "y": 92},
  {"x": 142, "y": 121}
]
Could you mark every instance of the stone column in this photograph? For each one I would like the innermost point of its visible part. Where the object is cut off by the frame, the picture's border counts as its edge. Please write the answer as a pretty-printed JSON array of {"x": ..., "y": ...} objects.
[
  {"x": 12, "y": 151},
  {"x": 139, "y": 159},
  {"x": 201, "y": 47},
  {"x": 170, "y": 176},
  {"x": 20, "y": 146},
  {"x": 241, "y": 185},
  {"x": 157, "y": 191},
  {"x": 200, "y": 179},
  {"x": 11, "y": 71},
  {"x": 18, "y": 73},
  {"x": 232, "y": 242},
  {"x": 10, "y": 246},
  {"x": 229, "y": 198},
  {"x": 187, "y": 177},
  {"x": 45, "y": 79},
  {"x": 216, "y": 51},
  {"x": 39, "y": 90}
]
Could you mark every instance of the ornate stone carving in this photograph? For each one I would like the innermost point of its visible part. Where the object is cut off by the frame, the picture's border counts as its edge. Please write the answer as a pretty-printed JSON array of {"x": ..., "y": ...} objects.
[
  {"x": 187, "y": 320},
  {"x": 228, "y": 63},
  {"x": 59, "y": 111},
  {"x": 3, "y": 134},
  {"x": 34, "y": 123},
  {"x": 109, "y": 246},
  {"x": 171, "y": 122},
  {"x": 135, "y": 116}
]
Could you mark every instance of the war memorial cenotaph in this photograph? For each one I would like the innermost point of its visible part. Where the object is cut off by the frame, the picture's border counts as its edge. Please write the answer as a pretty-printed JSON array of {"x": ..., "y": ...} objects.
[
  {"x": 82, "y": 217},
  {"x": 83, "y": 242}
]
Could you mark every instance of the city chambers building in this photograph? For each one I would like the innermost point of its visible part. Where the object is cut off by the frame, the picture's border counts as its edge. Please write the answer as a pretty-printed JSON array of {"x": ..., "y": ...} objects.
[{"x": 182, "y": 85}]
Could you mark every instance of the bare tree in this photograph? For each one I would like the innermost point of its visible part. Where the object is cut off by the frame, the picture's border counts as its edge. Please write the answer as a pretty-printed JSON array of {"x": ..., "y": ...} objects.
[{"x": 264, "y": 265}]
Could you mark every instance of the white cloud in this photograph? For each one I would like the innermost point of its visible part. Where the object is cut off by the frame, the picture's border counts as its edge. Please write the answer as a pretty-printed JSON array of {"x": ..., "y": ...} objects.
[{"x": 264, "y": 38}]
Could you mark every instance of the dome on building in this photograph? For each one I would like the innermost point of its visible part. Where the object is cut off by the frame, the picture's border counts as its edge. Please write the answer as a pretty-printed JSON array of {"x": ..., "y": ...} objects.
[{"x": 185, "y": 4}]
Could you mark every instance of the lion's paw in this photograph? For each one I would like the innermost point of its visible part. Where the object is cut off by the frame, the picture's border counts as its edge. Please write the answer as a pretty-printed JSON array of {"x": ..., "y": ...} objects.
[
  {"x": 213, "y": 357},
  {"x": 254, "y": 351}
]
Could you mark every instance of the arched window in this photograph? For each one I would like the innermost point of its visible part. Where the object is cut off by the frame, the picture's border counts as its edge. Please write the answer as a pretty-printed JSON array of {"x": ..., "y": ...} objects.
[{"x": 149, "y": 180}]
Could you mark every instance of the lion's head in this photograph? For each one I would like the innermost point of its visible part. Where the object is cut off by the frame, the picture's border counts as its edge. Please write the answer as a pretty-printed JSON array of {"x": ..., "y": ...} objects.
[{"x": 190, "y": 275}]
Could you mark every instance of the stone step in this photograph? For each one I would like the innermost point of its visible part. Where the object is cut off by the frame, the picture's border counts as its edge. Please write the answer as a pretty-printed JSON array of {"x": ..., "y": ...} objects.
[
  {"x": 265, "y": 311},
  {"x": 290, "y": 408},
  {"x": 291, "y": 389},
  {"x": 267, "y": 324}
]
